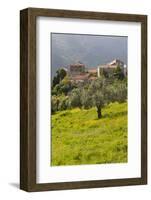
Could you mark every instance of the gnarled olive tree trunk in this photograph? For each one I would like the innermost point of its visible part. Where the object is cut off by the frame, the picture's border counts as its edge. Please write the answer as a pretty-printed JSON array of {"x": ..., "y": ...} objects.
[{"x": 99, "y": 111}]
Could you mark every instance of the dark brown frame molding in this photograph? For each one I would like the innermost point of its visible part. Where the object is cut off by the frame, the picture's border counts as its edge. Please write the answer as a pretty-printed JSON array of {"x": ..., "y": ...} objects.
[{"x": 28, "y": 98}]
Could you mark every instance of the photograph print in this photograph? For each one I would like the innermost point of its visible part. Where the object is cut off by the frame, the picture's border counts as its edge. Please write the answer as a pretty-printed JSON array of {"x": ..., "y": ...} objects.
[{"x": 89, "y": 104}]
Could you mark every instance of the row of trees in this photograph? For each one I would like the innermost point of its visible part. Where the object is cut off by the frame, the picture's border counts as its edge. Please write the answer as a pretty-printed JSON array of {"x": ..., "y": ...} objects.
[{"x": 97, "y": 93}]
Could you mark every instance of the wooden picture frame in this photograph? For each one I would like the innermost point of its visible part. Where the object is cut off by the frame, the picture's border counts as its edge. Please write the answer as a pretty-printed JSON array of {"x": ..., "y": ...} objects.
[{"x": 28, "y": 98}]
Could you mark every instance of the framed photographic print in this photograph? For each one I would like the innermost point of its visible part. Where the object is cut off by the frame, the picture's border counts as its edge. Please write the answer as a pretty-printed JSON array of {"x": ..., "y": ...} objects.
[{"x": 83, "y": 99}]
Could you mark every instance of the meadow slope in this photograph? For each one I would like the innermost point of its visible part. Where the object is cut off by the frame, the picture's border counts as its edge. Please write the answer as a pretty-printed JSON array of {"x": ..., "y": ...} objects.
[{"x": 78, "y": 137}]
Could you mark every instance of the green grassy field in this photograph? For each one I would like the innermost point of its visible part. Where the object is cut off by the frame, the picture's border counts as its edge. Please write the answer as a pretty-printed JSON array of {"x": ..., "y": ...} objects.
[{"x": 78, "y": 137}]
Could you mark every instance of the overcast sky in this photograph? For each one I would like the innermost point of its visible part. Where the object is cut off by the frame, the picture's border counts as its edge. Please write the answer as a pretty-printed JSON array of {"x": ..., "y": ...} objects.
[{"x": 91, "y": 50}]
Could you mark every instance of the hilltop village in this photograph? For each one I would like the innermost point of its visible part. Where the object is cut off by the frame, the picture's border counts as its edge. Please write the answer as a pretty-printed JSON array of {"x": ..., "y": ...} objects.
[
  {"x": 78, "y": 86},
  {"x": 78, "y": 72}
]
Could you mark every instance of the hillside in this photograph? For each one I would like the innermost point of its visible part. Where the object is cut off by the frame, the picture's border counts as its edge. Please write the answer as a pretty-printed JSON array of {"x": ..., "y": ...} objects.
[{"x": 78, "y": 137}]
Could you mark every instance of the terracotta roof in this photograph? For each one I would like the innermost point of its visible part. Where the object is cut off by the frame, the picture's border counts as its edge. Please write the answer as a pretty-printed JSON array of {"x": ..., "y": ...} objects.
[
  {"x": 92, "y": 70},
  {"x": 108, "y": 66},
  {"x": 80, "y": 77},
  {"x": 114, "y": 62}
]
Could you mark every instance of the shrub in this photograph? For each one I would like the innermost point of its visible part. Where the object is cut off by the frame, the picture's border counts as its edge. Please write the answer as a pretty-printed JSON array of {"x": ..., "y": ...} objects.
[
  {"x": 75, "y": 98},
  {"x": 54, "y": 104}
]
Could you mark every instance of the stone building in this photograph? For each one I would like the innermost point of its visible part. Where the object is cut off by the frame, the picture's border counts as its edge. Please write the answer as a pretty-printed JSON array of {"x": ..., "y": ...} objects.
[
  {"x": 110, "y": 67},
  {"x": 79, "y": 73},
  {"x": 77, "y": 68}
]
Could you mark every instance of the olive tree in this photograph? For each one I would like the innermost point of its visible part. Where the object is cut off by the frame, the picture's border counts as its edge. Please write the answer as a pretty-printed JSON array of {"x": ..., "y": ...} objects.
[
  {"x": 120, "y": 91},
  {"x": 97, "y": 93},
  {"x": 75, "y": 98},
  {"x": 86, "y": 99},
  {"x": 102, "y": 92}
]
